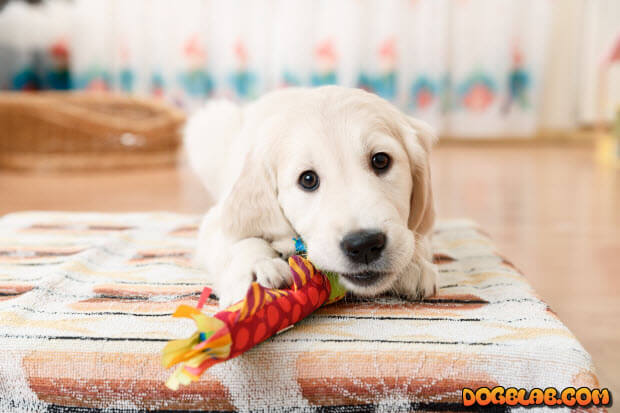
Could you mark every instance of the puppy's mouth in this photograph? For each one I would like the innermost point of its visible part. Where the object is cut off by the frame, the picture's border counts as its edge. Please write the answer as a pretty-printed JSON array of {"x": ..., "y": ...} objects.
[{"x": 365, "y": 278}]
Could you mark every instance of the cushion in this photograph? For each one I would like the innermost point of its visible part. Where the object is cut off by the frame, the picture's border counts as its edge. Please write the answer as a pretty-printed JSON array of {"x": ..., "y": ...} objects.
[{"x": 86, "y": 299}]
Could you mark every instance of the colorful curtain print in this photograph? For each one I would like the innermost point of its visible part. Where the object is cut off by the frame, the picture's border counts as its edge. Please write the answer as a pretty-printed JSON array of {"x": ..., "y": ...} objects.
[{"x": 469, "y": 67}]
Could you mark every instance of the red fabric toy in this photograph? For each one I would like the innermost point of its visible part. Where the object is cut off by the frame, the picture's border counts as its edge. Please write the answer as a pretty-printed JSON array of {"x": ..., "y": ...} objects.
[{"x": 261, "y": 314}]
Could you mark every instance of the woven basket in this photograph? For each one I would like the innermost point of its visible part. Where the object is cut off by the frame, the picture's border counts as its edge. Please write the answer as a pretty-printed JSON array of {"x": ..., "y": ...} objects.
[{"x": 55, "y": 130}]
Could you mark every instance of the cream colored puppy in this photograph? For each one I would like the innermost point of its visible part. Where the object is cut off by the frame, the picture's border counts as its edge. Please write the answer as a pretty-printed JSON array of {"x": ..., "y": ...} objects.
[{"x": 342, "y": 168}]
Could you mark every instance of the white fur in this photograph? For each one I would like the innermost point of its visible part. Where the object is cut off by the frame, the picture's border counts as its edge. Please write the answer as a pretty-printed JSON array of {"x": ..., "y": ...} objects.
[{"x": 250, "y": 160}]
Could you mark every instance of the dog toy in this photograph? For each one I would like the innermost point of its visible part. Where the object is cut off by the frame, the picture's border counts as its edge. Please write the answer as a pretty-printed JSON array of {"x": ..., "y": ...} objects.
[{"x": 263, "y": 313}]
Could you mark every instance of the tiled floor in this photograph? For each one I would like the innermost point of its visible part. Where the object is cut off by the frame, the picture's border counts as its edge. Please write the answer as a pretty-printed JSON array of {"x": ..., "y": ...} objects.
[{"x": 550, "y": 208}]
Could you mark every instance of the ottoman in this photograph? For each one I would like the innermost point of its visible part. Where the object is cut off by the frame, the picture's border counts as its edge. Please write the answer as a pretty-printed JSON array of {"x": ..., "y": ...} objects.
[{"x": 85, "y": 310}]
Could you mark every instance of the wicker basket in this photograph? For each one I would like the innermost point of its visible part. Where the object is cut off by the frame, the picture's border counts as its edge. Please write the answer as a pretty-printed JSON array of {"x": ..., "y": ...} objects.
[{"x": 55, "y": 130}]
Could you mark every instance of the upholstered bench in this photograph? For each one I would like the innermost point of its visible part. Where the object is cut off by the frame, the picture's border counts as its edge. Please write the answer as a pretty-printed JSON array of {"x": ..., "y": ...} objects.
[{"x": 86, "y": 299}]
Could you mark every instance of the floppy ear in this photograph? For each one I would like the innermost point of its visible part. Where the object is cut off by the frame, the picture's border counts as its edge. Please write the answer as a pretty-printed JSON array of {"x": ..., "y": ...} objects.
[
  {"x": 251, "y": 209},
  {"x": 419, "y": 138}
]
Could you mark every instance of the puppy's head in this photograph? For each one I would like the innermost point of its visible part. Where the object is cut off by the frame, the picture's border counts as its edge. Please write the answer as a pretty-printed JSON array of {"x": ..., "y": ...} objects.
[{"x": 346, "y": 171}]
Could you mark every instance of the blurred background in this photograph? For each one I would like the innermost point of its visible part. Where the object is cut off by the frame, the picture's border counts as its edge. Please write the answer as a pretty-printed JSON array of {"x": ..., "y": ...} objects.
[
  {"x": 524, "y": 93},
  {"x": 473, "y": 68}
]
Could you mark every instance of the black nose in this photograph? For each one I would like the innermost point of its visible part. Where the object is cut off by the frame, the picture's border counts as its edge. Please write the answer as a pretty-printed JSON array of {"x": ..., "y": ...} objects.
[{"x": 363, "y": 246}]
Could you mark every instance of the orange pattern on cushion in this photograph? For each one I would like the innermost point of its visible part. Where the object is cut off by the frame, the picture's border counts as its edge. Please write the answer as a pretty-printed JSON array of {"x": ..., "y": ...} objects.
[
  {"x": 53, "y": 376},
  {"x": 334, "y": 379}
]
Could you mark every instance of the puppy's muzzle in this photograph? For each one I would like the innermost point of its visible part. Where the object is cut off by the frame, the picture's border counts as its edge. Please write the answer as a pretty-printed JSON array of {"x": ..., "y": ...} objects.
[
  {"x": 363, "y": 279},
  {"x": 363, "y": 247}
]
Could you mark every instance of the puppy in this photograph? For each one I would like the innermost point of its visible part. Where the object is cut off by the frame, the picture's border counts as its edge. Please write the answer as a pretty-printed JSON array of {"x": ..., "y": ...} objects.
[{"x": 340, "y": 167}]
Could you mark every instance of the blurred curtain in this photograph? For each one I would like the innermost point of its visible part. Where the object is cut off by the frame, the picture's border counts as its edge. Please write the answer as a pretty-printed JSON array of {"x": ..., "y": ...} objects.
[{"x": 482, "y": 68}]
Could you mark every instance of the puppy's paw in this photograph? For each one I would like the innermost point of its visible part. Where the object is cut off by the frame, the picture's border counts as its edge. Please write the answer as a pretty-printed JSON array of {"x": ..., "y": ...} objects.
[
  {"x": 273, "y": 273},
  {"x": 231, "y": 295},
  {"x": 427, "y": 286},
  {"x": 233, "y": 285},
  {"x": 268, "y": 272},
  {"x": 418, "y": 281},
  {"x": 284, "y": 246}
]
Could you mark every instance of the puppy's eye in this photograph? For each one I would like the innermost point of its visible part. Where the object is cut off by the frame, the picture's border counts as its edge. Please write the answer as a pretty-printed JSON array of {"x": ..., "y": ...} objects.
[
  {"x": 309, "y": 181},
  {"x": 380, "y": 162}
]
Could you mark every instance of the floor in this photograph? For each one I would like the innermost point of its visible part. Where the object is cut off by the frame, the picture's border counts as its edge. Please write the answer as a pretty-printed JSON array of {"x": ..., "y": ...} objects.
[{"x": 549, "y": 207}]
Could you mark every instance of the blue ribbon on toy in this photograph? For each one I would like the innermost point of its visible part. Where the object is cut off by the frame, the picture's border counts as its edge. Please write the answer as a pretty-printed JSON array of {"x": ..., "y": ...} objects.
[{"x": 300, "y": 246}]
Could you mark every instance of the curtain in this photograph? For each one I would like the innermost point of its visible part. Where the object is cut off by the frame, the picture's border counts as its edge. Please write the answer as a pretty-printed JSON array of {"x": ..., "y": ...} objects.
[{"x": 472, "y": 68}]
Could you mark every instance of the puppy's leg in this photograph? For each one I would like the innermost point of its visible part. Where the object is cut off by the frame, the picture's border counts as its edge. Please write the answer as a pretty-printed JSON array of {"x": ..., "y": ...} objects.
[
  {"x": 419, "y": 279},
  {"x": 252, "y": 259},
  {"x": 232, "y": 264}
]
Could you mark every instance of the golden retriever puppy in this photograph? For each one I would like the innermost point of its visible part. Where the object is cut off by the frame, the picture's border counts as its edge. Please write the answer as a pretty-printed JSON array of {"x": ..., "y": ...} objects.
[{"x": 341, "y": 168}]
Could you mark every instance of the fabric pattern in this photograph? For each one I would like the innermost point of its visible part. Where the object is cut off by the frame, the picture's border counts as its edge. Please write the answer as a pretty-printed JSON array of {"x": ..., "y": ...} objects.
[{"x": 85, "y": 311}]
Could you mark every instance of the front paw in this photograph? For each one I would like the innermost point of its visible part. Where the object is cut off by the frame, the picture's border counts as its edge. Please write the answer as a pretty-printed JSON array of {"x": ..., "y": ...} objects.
[
  {"x": 427, "y": 286},
  {"x": 268, "y": 272},
  {"x": 273, "y": 273},
  {"x": 233, "y": 287},
  {"x": 418, "y": 281}
]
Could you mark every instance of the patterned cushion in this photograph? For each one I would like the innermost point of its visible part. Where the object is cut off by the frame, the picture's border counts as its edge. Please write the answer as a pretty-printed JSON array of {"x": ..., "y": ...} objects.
[{"x": 86, "y": 298}]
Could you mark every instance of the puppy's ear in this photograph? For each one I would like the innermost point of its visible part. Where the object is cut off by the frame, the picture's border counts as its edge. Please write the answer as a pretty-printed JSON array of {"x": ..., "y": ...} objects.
[
  {"x": 251, "y": 209},
  {"x": 419, "y": 138}
]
